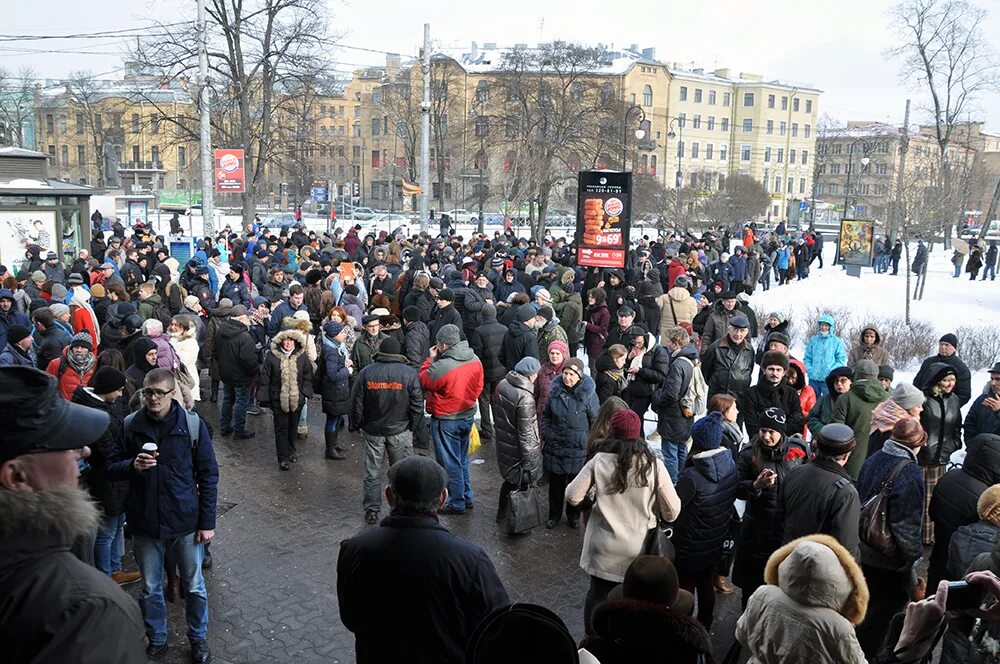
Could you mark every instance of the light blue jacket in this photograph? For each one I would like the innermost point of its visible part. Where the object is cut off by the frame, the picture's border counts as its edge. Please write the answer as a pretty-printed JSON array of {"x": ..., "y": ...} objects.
[{"x": 824, "y": 353}]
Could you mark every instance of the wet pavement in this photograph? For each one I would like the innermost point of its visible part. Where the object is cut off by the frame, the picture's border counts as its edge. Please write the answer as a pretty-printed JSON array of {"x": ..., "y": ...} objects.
[{"x": 272, "y": 589}]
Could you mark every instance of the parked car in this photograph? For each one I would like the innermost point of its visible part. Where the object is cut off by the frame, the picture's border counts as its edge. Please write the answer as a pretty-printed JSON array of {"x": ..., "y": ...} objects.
[
  {"x": 363, "y": 214},
  {"x": 972, "y": 232},
  {"x": 461, "y": 216},
  {"x": 279, "y": 220}
]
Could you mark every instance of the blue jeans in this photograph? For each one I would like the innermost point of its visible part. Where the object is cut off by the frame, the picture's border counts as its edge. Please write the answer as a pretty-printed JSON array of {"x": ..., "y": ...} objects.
[
  {"x": 819, "y": 387},
  {"x": 332, "y": 422},
  {"x": 990, "y": 270},
  {"x": 674, "y": 455},
  {"x": 958, "y": 270},
  {"x": 235, "y": 401},
  {"x": 149, "y": 553},
  {"x": 110, "y": 544},
  {"x": 451, "y": 444}
]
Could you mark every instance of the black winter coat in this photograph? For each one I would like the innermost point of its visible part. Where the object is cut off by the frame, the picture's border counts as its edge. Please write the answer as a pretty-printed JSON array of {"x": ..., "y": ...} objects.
[
  {"x": 655, "y": 365},
  {"x": 727, "y": 368},
  {"x": 941, "y": 418},
  {"x": 110, "y": 495},
  {"x": 475, "y": 300},
  {"x": 386, "y": 398},
  {"x": 518, "y": 442},
  {"x": 981, "y": 419},
  {"x": 416, "y": 343},
  {"x": 519, "y": 342},
  {"x": 272, "y": 382},
  {"x": 753, "y": 401},
  {"x": 235, "y": 353},
  {"x": 819, "y": 497},
  {"x": 333, "y": 379},
  {"x": 763, "y": 525},
  {"x": 447, "y": 316},
  {"x": 707, "y": 489},
  {"x": 237, "y": 291},
  {"x": 671, "y": 423},
  {"x": 381, "y": 570},
  {"x": 565, "y": 425},
  {"x": 963, "y": 383},
  {"x": 953, "y": 503},
  {"x": 487, "y": 342}
]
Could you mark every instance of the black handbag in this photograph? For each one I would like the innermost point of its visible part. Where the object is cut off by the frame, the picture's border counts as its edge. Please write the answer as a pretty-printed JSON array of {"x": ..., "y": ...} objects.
[
  {"x": 874, "y": 521},
  {"x": 657, "y": 541},
  {"x": 525, "y": 509}
]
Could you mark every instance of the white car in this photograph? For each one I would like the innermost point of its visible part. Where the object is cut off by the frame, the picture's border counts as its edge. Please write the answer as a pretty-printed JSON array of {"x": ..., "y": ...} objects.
[
  {"x": 461, "y": 216},
  {"x": 363, "y": 214}
]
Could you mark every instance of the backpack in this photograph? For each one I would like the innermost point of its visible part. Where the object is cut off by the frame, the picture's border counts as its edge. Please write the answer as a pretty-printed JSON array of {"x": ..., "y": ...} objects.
[
  {"x": 161, "y": 312},
  {"x": 695, "y": 399},
  {"x": 193, "y": 422}
]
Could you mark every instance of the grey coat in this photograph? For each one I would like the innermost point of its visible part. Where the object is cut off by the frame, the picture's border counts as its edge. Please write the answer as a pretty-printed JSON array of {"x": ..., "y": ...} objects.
[{"x": 519, "y": 445}]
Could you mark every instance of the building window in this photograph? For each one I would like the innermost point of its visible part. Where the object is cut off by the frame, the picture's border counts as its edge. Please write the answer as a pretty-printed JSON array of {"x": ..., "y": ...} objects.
[
  {"x": 376, "y": 159},
  {"x": 727, "y": 98},
  {"x": 747, "y": 125},
  {"x": 777, "y": 184},
  {"x": 881, "y": 169},
  {"x": 652, "y": 164},
  {"x": 767, "y": 153},
  {"x": 63, "y": 127},
  {"x": 98, "y": 123},
  {"x": 809, "y": 106},
  {"x": 833, "y": 188},
  {"x": 770, "y": 126},
  {"x": 802, "y": 185},
  {"x": 684, "y": 93},
  {"x": 725, "y": 124},
  {"x": 376, "y": 126},
  {"x": 357, "y": 130},
  {"x": 783, "y": 128},
  {"x": 682, "y": 120},
  {"x": 791, "y": 156},
  {"x": 154, "y": 155},
  {"x": 680, "y": 149},
  {"x": 155, "y": 123},
  {"x": 647, "y": 95},
  {"x": 834, "y": 169},
  {"x": 781, "y": 156},
  {"x": 135, "y": 123},
  {"x": 708, "y": 150},
  {"x": 697, "y": 122},
  {"x": 784, "y": 103},
  {"x": 52, "y": 154},
  {"x": 81, "y": 155},
  {"x": 711, "y": 97},
  {"x": 356, "y": 152},
  {"x": 711, "y": 123},
  {"x": 482, "y": 126},
  {"x": 482, "y": 92},
  {"x": 181, "y": 156},
  {"x": 64, "y": 155},
  {"x": 607, "y": 93},
  {"x": 357, "y": 111},
  {"x": 695, "y": 150},
  {"x": 744, "y": 153},
  {"x": 50, "y": 123},
  {"x": 795, "y": 130},
  {"x": 795, "y": 105},
  {"x": 723, "y": 152},
  {"x": 807, "y": 130},
  {"x": 136, "y": 155},
  {"x": 79, "y": 123},
  {"x": 770, "y": 101},
  {"x": 805, "y": 157},
  {"x": 340, "y": 171},
  {"x": 791, "y": 184},
  {"x": 512, "y": 127},
  {"x": 697, "y": 95},
  {"x": 747, "y": 99}
]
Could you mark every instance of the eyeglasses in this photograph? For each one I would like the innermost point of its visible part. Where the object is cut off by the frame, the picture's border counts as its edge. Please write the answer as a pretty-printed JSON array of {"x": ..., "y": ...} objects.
[{"x": 151, "y": 393}]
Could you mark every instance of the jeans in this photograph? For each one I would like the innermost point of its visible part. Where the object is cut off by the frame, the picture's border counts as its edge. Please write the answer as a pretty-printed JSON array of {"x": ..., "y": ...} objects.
[
  {"x": 674, "y": 455},
  {"x": 149, "y": 553},
  {"x": 958, "y": 270},
  {"x": 110, "y": 544},
  {"x": 398, "y": 447},
  {"x": 819, "y": 387},
  {"x": 235, "y": 401},
  {"x": 285, "y": 432},
  {"x": 332, "y": 423},
  {"x": 990, "y": 270},
  {"x": 451, "y": 445}
]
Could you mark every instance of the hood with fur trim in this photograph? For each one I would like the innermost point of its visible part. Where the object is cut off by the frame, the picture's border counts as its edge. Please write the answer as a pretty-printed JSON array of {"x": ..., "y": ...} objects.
[
  {"x": 816, "y": 570},
  {"x": 300, "y": 340},
  {"x": 62, "y": 513},
  {"x": 293, "y": 323}
]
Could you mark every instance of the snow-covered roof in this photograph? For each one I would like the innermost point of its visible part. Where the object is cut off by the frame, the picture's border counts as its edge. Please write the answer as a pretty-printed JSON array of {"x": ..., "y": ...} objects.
[
  {"x": 137, "y": 89},
  {"x": 12, "y": 151},
  {"x": 712, "y": 77},
  {"x": 486, "y": 60}
]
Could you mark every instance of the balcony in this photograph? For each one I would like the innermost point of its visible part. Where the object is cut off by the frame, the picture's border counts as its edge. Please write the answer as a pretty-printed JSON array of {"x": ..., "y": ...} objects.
[
  {"x": 141, "y": 166},
  {"x": 646, "y": 144}
]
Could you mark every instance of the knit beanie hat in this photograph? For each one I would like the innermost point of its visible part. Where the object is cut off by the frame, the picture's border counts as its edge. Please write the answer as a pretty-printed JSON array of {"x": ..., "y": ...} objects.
[
  {"x": 546, "y": 312},
  {"x": 489, "y": 311},
  {"x": 17, "y": 333},
  {"x": 448, "y": 334},
  {"x": 949, "y": 339},
  {"x": 560, "y": 346},
  {"x": 82, "y": 340},
  {"x": 106, "y": 380},
  {"x": 59, "y": 309},
  {"x": 412, "y": 313},
  {"x": 332, "y": 328},
  {"x": 988, "y": 505},
  {"x": 389, "y": 346},
  {"x": 59, "y": 292},
  {"x": 528, "y": 366},
  {"x": 626, "y": 425},
  {"x": 524, "y": 313},
  {"x": 780, "y": 337},
  {"x": 865, "y": 370},
  {"x": 97, "y": 290},
  {"x": 576, "y": 364},
  {"x": 907, "y": 431},
  {"x": 773, "y": 418},
  {"x": 886, "y": 371},
  {"x": 773, "y": 358},
  {"x": 706, "y": 433},
  {"x": 906, "y": 396}
]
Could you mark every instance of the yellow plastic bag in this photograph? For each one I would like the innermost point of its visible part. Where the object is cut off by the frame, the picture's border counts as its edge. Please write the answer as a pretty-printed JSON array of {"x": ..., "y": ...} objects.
[{"x": 474, "y": 442}]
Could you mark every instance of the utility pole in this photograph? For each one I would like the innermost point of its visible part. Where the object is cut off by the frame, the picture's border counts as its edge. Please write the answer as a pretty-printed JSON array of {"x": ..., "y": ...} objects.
[
  {"x": 207, "y": 160},
  {"x": 425, "y": 132}
]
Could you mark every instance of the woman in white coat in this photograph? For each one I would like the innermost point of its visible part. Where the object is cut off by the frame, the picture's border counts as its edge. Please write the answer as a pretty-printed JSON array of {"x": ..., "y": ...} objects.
[{"x": 184, "y": 339}]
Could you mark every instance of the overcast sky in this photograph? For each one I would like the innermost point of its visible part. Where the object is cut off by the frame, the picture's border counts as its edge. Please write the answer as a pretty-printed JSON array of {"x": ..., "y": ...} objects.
[{"x": 838, "y": 47}]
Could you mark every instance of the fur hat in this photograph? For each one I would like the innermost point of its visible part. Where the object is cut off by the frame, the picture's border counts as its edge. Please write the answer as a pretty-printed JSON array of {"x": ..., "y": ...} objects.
[
  {"x": 626, "y": 425},
  {"x": 988, "y": 505},
  {"x": 907, "y": 431},
  {"x": 706, "y": 433},
  {"x": 774, "y": 358}
]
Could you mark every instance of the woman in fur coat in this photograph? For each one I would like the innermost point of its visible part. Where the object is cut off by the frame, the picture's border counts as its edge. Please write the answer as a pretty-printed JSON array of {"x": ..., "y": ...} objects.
[
  {"x": 286, "y": 381},
  {"x": 300, "y": 321}
]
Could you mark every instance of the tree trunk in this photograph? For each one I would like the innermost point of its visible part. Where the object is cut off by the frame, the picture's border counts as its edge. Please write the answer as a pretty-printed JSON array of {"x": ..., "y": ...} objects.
[{"x": 906, "y": 249}]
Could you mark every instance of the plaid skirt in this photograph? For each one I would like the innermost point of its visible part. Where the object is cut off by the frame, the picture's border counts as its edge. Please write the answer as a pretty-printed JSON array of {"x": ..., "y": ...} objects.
[{"x": 932, "y": 474}]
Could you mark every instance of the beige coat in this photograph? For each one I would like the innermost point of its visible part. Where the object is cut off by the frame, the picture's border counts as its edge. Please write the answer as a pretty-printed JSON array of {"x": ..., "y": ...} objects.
[
  {"x": 619, "y": 521},
  {"x": 815, "y": 595},
  {"x": 683, "y": 305}
]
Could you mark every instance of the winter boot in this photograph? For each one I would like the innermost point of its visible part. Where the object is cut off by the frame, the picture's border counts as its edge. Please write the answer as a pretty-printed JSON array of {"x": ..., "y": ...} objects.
[{"x": 333, "y": 450}]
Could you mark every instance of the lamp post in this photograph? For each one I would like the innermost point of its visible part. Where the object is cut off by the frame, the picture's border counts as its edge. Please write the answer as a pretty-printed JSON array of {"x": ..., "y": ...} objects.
[
  {"x": 679, "y": 176},
  {"x": 480, "y": 160},
  {"x": 866, "y": 148},
  {"x": 639, "y": 133}
]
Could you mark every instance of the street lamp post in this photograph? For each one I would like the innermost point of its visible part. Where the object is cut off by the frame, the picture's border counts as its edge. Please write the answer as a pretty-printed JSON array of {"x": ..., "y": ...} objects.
[
  {"x": 480, "y": 160},
  {"x": 679, "y": 176},
  {"x": 866, "y": 148},
  {"x": 639, "y": 133}
]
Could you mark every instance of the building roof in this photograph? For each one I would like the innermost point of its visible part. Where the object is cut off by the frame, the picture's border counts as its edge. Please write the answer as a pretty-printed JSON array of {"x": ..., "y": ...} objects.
[
  {"x": 11, "y": 151},
  {"x": 49, "y": 187},
  {"x": 139, "y": 89}
]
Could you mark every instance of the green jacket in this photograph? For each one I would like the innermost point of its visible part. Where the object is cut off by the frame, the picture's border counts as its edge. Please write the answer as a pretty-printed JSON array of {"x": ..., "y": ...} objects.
[
  {"x": 820, "y": 415},
  {"x": 364, "y": 351},
  {"x": 855, "y": 410}
]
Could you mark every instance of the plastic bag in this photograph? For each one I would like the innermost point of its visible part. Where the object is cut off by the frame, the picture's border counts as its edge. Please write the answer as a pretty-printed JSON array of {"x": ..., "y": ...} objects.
[{"x": 474, "y": 442}]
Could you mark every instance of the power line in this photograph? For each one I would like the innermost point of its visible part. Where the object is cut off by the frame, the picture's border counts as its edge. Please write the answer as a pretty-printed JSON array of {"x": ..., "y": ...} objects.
[{"x": 137, "y": 31}]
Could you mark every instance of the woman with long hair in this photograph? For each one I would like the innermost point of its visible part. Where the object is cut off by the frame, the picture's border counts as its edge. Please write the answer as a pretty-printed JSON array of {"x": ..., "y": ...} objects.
[
  {"x": 630, "y": 490},
  {"x": 184, "y": 339},
  {"x": 732, "y": 435},
  {"x": 601, "y": 430}
]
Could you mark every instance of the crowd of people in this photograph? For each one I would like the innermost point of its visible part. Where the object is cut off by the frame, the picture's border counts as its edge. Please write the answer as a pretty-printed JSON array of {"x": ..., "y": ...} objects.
[{"x": 647, "y": 399}]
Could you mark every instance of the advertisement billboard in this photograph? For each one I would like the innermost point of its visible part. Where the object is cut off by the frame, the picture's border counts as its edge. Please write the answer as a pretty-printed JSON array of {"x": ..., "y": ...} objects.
[
  {"x": 230, "y": 171},
  {"x": 20, "y": 230},
  {"x": 856, "y": 242},
  {"x": 603, "y": 218}
]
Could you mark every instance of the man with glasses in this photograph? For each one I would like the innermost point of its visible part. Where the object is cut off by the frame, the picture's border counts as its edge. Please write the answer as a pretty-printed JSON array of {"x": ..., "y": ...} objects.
[
  {"x": 771, "y": 391},
  {"x": 367, "y": 344},
  {"x": 56, "y": 608},
  {"x": 168, "y": 458}
]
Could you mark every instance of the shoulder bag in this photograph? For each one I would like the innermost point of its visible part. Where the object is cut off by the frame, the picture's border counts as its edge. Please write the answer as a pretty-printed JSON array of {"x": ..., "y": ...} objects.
[
  {"x": 525, "y": 508},
  {"x": 874, "y": 521},
  {"x": 657, "y": 541}
]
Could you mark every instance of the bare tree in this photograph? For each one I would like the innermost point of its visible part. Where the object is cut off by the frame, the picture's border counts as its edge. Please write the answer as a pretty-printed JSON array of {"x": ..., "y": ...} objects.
[
  {"x": 102, "y": 119},
  {"x": 741, "y": 197},
  {"x": 16, "y": 105},
  {"x": 260, "y": 53},
  {"x": 945, "y": 53}
]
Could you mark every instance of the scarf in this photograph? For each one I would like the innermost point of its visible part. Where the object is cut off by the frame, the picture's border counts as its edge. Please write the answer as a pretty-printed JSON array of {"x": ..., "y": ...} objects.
[
  {"x": 289, "y": 397},
  {"x": 78, "y": 365},
  {"x": 617, "y": 375},
  {"x": 886, "y": 414}
]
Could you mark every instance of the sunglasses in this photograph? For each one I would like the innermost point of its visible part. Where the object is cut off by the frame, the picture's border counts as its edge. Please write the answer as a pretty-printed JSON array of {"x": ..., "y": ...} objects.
[{"x": 151, "y": 393}]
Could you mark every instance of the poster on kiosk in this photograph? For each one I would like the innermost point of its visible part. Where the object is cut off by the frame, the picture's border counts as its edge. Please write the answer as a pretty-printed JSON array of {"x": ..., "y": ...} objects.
[{"x": 603, "y": 218}]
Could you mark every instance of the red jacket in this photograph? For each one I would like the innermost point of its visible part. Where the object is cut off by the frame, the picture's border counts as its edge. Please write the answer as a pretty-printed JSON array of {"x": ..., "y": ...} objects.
[
  {"x": 82, "y": 322},
  {"x": 674, "y": 270},
  {"x": 69, "y": 380},
  {"x": 452, "y": 382}
]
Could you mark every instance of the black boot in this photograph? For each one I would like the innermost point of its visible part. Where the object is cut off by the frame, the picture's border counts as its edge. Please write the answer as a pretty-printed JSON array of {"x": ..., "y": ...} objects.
[
  {"x": 215, "y": 391},
  {"x": 333, "y": 450}
]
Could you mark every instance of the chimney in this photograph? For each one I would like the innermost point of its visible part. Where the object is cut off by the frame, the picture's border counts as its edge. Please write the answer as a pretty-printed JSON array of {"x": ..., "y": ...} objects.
[
  {"x": 474, "y": 52},
  {"x": 649, "y": 53},
  {"x": 392, "y": 65}
]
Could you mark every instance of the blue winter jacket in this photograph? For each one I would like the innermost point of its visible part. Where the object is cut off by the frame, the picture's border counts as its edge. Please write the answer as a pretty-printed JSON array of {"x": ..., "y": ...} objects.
[
  {"x": 178, "y": 495},
  {"x": 738, "y": 265},
  {"x": 566, "y": 423},
  {"x": 781, "y": 260},
  {"x": 707, "y": 489},
  {"x": 13, "y": 317},
  {"x": 824, "y": 353}
]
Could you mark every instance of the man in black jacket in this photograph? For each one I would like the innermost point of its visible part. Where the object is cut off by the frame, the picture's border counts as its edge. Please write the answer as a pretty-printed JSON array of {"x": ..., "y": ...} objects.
[
  {"x": 56, "y": 608},
  {"x": 520, "y": 340},
  {"x": 416, "y": 337},
  {"x": 728, "y": 363},
  {"x": 487, "y": 341},
  {"x": 771, "y": 391},
  {"x": 673, "y": 421},
  {"x": 820, "y": 497},
  {"x": 410, "y": 558},
  {"x": 947, "y": 353},
  {"x": 236, "y": 353},
  {"x": 387, "y": 404},
  {"x": 446, "y": 314}
]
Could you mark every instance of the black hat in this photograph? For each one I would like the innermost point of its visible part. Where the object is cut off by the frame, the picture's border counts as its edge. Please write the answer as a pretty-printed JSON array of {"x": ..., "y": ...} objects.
[
  {"x": 772, "y": 358},
  {"x": 626, "y": 310},
  {"x": 501, "y": 636},
  {"x": 352, "y": 289},
  {"x": 370, "y": 318},
  {"x": 835, "y": 439},
  {"x": 38, "y": 418},
  {"x": 389, "y": 346},
  {"x": 995, "y": 368},
  {"x": 417, "y": 479},
  {"x": 446, "y": 294},
  {"x": 314, "y": 276},
  {"x": 949, "y": 339},
  {"x": 411, "y": 313},
  {"x": 106, "y": 380},
  {"x": 727, "y": 295},
  {"x": 887, "y": 372},
  {"x": 18, "y": 333},
  {"x": 546, "y": 312},
  {"x": 773, "y": 418},
  {"x": 780, "y": 337},
  {"x": 524, "y": 313}
]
